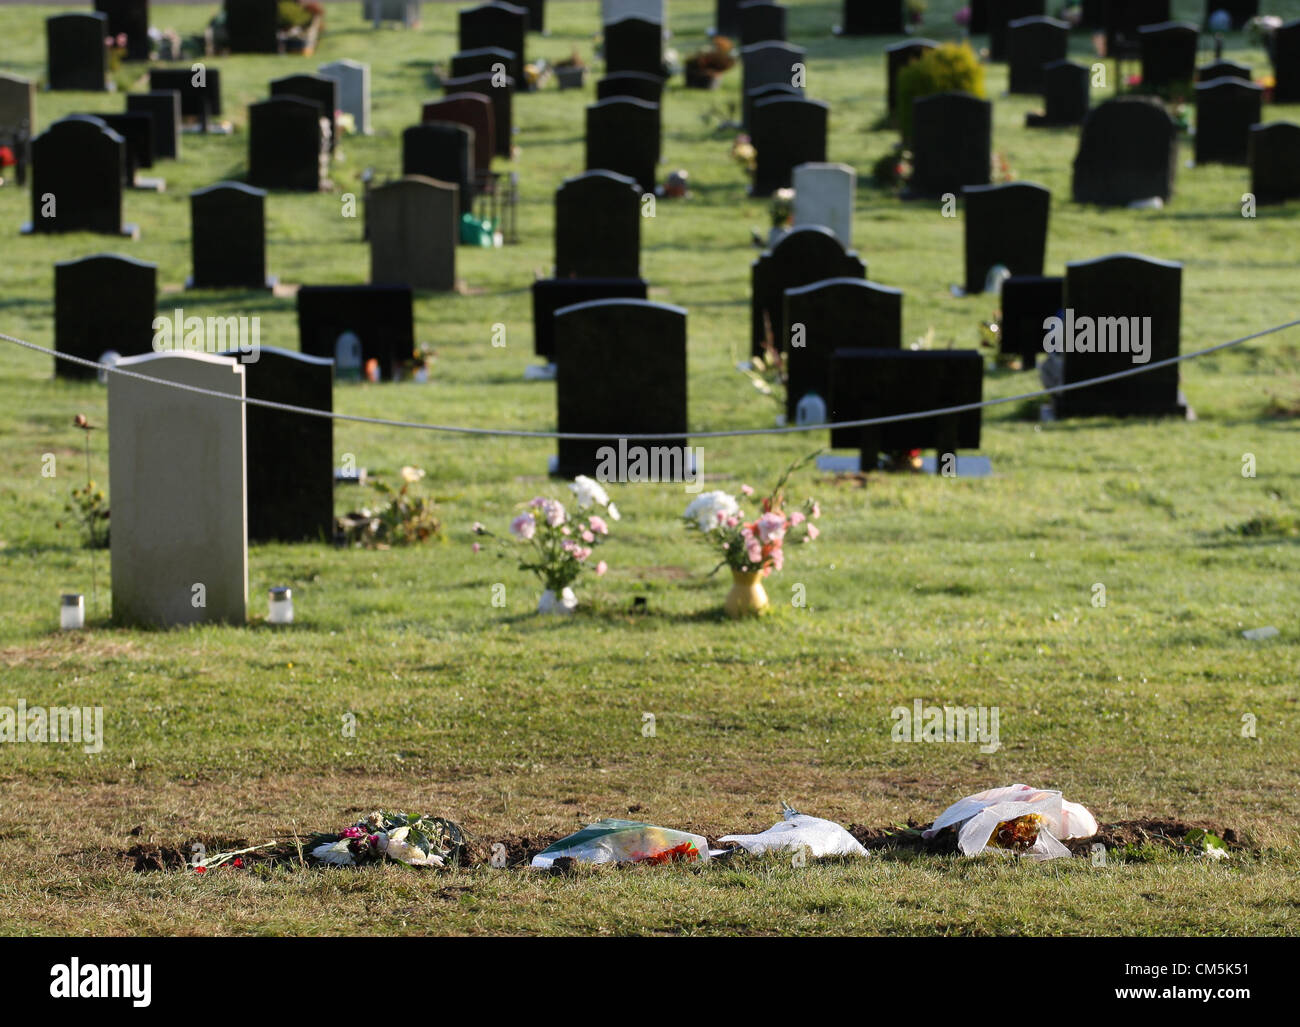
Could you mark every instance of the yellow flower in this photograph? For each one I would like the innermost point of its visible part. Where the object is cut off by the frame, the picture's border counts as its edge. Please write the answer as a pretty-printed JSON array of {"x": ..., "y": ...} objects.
[{"x": 411, "y": 475}]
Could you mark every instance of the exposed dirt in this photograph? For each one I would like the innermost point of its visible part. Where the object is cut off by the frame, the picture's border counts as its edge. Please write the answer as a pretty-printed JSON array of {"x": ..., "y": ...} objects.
[{"x": 521, "y": 848}]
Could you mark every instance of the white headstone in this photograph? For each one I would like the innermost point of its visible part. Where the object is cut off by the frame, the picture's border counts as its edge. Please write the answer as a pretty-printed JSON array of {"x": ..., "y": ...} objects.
[
  {"x": 647, "y": 10},
  {"x": 824, "y": 195},
  {"x": 176, "y": 470},
  {"x": 353, "y": 78}
]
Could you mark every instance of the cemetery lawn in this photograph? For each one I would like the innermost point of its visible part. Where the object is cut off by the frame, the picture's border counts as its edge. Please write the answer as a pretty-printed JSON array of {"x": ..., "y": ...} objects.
[{"x": 957, "y": 592}]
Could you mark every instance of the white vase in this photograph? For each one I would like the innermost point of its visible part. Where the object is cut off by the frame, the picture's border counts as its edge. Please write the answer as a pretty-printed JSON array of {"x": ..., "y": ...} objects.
[{"x": 565, "y": 603}]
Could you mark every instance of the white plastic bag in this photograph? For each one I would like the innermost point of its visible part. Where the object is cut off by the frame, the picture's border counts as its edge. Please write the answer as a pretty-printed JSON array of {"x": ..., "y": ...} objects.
[
  {"x": 797, "y": 831},
  {"x": 979, "y": 815},
  {"x": 1075, "y": 820}
]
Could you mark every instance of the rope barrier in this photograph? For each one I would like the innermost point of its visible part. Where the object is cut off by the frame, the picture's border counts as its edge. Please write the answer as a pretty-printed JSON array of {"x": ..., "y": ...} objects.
[{"x": 867, "y": 422}]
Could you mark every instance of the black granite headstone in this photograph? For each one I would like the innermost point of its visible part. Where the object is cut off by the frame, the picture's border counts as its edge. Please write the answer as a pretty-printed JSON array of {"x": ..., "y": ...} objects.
[
  {"x": 1067, "y": 89},
  {"x": 1001, "y": 13},
  {"x": 836, "y": 313},
  {"x": 620, "y": 368},
  {"x": 1222, "y": 69},
  {"x": 474, "y": 111},
  {"x": 200, "y": 91},
  {"x": 873, "y": 18},
  {"x": 637, "y": 84},
  {"x": 442, "y": 150},
  {"x": 1007, "y": 225},
  {"x": 320, "y": 90},
  {"x": 897, "y": 57},
  {"x": 768, "y": 63},
  {"x": 623, "y": 137},
  {"x": 952, "y": 143},
  {"x": 76, "y": 57},
  {"x": 289, "y": 457},
  {"x": 1285, "y": 53},
  {"x": 550, "y": 294},
  {"x": 228, "y": 237},
  {"x": 1275, "y": 162},
  {"x": 1168, "y": 55},
  {"x": 164, "y": 107},
  {"x": 128, "y": 18},
  {"x": 1122, "y": 19},
  {"x": 101, "y": 303},
  {"x": 598, "y": 227},
  {"x": 78, "y": 169},
  {"x": 252, "y": 26},
  {"x": 1226, "y": 108},
  {"x": 1033, "y": 43},
  {"x": 481, "y": 61},
  {"x": 870, "y": 383},
  {"x": 726, "y": 18},
  {"x": 1028, "y": 301},
  {"x": 761, "y": 20},
  {"x": 379, "y": 315},
  {"x": 634, "y": 44},
  {"x": 1127, "y": 152},
  {"x": 787, "y": 131},
  {"x": 802, "y": 256},
  {"x": 286, "y": 147},
  {"x": 495, "y": 25},
  {"x": 1130, "y": 303}
]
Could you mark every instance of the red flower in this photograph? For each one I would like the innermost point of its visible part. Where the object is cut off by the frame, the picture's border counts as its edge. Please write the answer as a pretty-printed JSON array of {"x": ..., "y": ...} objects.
[
  {"x": 7, "y": 158},
  {"x": 200, "y": 870},
  {"x": 238, "y": 862}
]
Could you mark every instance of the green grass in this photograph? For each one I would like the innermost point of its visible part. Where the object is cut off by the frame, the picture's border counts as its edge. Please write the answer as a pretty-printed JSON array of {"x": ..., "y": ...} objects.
[{"x": 970, "y": 592}]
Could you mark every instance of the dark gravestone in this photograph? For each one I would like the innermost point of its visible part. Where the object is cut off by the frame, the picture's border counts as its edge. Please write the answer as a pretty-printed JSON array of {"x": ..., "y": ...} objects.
[
  {"x": 1033, "y": 43},
  {"x": 200, "y": 96},
  {"x": 1119, "y": 288},
  {"x": 444, "y": 151},
  {"x": 1286, "y": 63},
  {"x": 952, "y": 143},
  {"x": 598, "y": 227},
  {"x": 105, "y": 302},
  {"x": 787, "y": 132},
  {"x": 536, "y": 14},
  {"x": 75, "y": 56},
  {"x": 320, "y": 90},
  {"x": 499, "y": 25},
  {"x": 1240, "y": 11},
  {"x": 1027, "y": 302},
  {"x": 1128, "y": 151},
  {"x": 379, "y": 315},
  {"x": 765, "y": 64},
  {"x": 550, "y": 294},
  {"x": 136, "y": 131},
  {"x": 836, "y": 313},
  {"x": 634, "y": 44},
  {"x": 1092, "y": 14},
  {"x": 501, "y": 98},
  {"x": 761, "y": 20},
  {"x": 979, "y": 17},
  {"x": 80, "y": 162},
  {"x": 1222, "y": 69},
  {"x": 481, "y": 60},
  {"x": 1067, "y": 91},
  {"x": 228, "y": 237},
  {"x": 897, "y": 57},
  {"x": 1001, "y": 14},
  {"x": 131, "y": 19},
  {"x": 286, "y": 145},
  {"x": 1226, "y": 108},
  {"x": 1275, "y": 162},
  {"x": 639, "y": 85},
  {"x": 1007, "y": 225},
  {"x": 1123, "y": 18},
  {"x": 767, "y": 92},
  {"x": 290, "y": 457},
  {"x": 620, "y": 369},
  {"x": 164, "y": 107},
  {"x": 802, "y": 256},
  {"x": 1168, "y": 55},
  {"x": 870, "y": 383},
  {"x": 474, "y": 111},
  {"x": 873, "y": 18},
  {"x": 726, "y": 18},
  {"x": 251, "y": 26},
  {"x": 623, "y": 136}
]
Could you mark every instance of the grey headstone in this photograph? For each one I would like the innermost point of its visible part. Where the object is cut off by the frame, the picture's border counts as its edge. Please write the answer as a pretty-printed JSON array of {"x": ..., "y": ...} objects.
[{"x": 413, "y": 224}]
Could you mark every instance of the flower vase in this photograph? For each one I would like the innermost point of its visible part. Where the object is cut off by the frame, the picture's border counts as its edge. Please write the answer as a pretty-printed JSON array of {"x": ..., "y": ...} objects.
[
  {"x": 747, "y": 597},
  {"x": 564, "y": 603}
]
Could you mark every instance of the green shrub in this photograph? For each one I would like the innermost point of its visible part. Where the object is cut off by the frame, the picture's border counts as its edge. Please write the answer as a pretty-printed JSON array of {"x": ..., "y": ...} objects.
[{"x": 950, "y": 67}]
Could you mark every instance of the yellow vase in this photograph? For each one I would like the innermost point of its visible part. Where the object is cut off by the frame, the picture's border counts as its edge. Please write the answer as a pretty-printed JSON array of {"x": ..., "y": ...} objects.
[{"x": 747, "y": 597}]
